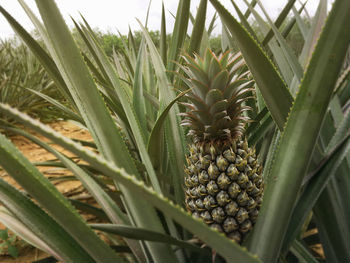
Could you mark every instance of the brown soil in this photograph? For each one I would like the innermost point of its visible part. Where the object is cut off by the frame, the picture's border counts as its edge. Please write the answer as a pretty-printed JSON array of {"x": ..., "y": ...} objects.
[{"x": 36, "y": 154}]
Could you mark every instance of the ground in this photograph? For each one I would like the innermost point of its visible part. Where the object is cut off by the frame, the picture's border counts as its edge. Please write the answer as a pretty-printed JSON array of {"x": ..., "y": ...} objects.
[{"x": 69, "y": 188}]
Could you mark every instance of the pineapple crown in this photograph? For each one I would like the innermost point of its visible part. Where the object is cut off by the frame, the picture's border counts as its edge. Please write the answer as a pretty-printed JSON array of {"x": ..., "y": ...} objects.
[{"x": 219, "y": 87}]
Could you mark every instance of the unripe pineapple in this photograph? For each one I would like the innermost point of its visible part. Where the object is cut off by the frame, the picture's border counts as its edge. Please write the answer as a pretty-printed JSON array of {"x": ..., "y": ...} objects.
[{"x": 223, "y": 182}]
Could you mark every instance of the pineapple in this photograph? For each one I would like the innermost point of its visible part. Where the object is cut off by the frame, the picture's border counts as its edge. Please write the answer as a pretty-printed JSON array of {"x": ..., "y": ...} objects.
[{"x": 223, "y": 182}]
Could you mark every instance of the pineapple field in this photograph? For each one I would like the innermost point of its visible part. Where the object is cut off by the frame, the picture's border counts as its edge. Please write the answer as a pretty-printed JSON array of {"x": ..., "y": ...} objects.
[{"x": 180, "y": 144}]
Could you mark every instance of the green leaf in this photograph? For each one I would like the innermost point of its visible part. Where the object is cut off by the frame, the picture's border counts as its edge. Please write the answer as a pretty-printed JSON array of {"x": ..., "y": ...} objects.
[
  {"x": 248, "y": 12},
  {"x": 281, "y": 17},
  {"x": 52, "y": 200},
  {"x": 138, "y": 88},
  {"x": 83, "y": 88},
  {"x": 314, "y": 189},
  {"x": 274, "y": 48},
  {"x": 121, "y": 90},
  {"x": 4, "y": 234},
  {"x": 301, "y": 24},
  {"x": 300, "y": 134},
  {"x": 314, "y": 32},
  {"x": 38, "y": 228},
  {"x": 212, "y": 24},
  {"x": 156, "y": 139},
  {"x": 145, "y": 234},
  {"x": 39, "y": 52},
  {"x": 174, "y": 136},
  {"x": 178, "y": 33},
  {"x": 102, "y": 198},
  {"x": 292, "y": 22},
  {"x": 163, "y": 45},
  {"x": 335, "y": 197},
  {"x": 302, "y": 253},
  {"x": 330, "y": 224},
  {"x": 277, "y": 97},
  {"x": 288, "y": 52},
  {"x": 244, "y": 21},
  {"x": 72, "y": 115},
  {"x": 96, "y": 115},
  {"x": 198, "y": 28},
  {"x": 87, "y": 208},
  {"x": 224, "y": 246},
  {"x": 260, "y": 131},
  {"x": 12, "y": 250}
]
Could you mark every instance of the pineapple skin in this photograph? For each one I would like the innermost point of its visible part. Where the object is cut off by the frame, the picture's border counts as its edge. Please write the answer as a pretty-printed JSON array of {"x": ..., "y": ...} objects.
[{"x": 224, "y": 186}]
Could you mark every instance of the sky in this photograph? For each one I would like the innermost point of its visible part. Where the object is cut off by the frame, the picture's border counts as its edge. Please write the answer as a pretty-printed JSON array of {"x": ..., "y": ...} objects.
[{"x": 119, "y": 15}]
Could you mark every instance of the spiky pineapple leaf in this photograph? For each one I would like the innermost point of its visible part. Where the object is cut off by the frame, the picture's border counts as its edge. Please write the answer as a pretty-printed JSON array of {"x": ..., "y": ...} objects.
[
  {"x": 287, "y": 50},
  {"x": 244, "y": 21},
  {"x": 179, "y": 33},
  {"x": 96, "y": 116},
  {"x": 330, "y": 225},
  {"x": 280, "y": 19},
  {"x": 27, "y": 175},
  {"x": 336, "y": 195},
  {"x": 139, "y": 103},
  {"x": 79, "y": 81},
  {"x": 300, "y": 134},
  {"x": 314, "y": 32},
  {"x": 174, "y": 135},
  {"x": 108, "y": 205},
  {"x": 145, "y": 234},
  {"x": 70, "y": 114},
  {"x": 198, "y": 28},
  {"x": 302, "y": 253},
  {"x": 277, "y": 98},
  {"x": 314, "y": 189},
  {"x": 224, "y": 246},
  {"x": 301, "y": 24},
  {"x": 312, "y": 38},
  {"x": 30, "y": 222},
  {"x": 274, "y": 48},
  {"x": 163, "y": 45},
  {"x": 156, "y": 139},
  {"x": 39, "y": 52}
]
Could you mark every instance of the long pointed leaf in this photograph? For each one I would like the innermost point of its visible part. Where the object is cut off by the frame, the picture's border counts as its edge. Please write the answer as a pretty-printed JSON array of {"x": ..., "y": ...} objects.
[
  {"x": 39, "y": 52},
  {"x": 53, "y": 201},
  {"x": 54, "y": 239},
  {"x": 313, "y": 190},
  {"x": 103, "y": 199},
  {"x": 281, "y": 17},
  {"x": 300, "y": 134},
  {"x": 198, "y": 28},
  {"x": 96, "y": 115},
  {"x": 174, "y": 136},
  {"x": 145, "y": 234},
  {"x": 277, "y": 97},
  {"x": 219, "y": 242}
]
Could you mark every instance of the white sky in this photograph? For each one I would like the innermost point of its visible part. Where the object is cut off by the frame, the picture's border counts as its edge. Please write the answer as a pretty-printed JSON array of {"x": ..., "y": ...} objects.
[{"x": 114, "y": 15}]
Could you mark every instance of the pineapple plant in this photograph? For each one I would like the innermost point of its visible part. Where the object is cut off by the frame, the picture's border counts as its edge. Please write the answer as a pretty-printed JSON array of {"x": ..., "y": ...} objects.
[
  {"x": 223, "y": 182},
  {"x": 220, "y": 186}
]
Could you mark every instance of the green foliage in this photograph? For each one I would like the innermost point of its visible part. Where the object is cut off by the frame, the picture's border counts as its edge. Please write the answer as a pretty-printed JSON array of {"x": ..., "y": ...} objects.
[
  {"x": 8, "y": 243},
  {"x": 110, "y": 41},
  {"x": 124, "y": 90},
  {"x": 294, "y": 39},
  {"x": 22, "y": 72}
]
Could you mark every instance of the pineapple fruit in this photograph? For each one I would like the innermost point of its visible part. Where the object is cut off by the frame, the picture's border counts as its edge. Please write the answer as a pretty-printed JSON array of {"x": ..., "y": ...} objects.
[{"x": 223, "y": 182}]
